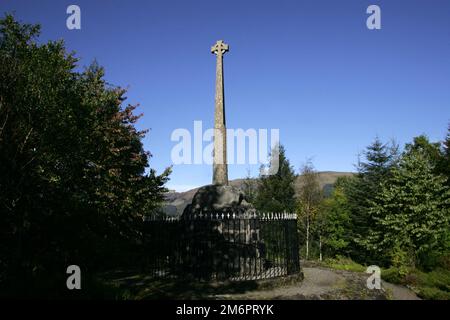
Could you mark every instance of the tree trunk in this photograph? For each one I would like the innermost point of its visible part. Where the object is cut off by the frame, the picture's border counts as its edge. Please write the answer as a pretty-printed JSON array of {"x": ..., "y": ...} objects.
[
  {"x": 320, "y": 248},
  {"x": 307, "y": 237}
]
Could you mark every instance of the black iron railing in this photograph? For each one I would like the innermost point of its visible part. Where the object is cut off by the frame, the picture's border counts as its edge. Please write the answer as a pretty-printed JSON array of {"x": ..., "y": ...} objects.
[{"x": 223, "y": 246}]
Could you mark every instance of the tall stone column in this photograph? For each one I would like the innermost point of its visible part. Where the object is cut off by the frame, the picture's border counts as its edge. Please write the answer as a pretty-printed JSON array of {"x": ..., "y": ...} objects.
[{"x": 220, "y": 167}]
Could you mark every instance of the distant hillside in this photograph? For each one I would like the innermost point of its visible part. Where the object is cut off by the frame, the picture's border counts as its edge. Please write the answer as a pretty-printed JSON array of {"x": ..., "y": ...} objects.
[
  {"x": 326, "y": 180},
  {"x": 177, "y": 201}
]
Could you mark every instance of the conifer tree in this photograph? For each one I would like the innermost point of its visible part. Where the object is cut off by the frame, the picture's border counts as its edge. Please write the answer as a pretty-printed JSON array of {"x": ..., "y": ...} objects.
[
  {"x": 276, "y": 191},
  {"x": 378, "y": 161}
]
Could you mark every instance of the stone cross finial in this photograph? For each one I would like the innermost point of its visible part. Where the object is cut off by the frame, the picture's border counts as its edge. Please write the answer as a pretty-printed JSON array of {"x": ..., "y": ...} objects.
[
  {"x": 220, "y": 168},
  {"x": 219, "y": 48}
]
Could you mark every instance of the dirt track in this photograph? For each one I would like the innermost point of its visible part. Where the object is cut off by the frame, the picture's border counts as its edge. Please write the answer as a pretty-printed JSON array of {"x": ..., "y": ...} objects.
[
  {"x": 319, "y": 283},
  {"x": 322, "y": 283}
]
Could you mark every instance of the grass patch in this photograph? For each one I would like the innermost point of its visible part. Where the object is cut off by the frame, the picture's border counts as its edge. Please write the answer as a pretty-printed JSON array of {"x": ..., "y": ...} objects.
[
  {"x": 434, "y": 285},
  {"x": 343, "y": 263}
]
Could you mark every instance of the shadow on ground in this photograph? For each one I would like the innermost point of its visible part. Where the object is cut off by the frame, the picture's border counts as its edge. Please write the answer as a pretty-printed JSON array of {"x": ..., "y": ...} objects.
[
  {"x": 134, "y": 285},
  {"x": 314, "y": 283}
]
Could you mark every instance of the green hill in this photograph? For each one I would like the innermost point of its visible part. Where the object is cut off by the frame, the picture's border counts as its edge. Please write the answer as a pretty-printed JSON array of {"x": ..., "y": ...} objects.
[{"x": 177, "y": 201}]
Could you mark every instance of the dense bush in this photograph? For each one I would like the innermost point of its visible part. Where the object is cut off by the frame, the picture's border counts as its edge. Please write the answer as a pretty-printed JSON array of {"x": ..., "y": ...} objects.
[{"x": 73, "y": 185}]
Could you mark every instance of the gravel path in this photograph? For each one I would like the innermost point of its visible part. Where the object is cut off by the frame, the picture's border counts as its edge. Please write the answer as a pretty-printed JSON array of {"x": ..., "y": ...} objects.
[
  {"x": 400, "y": 292},
  {"x": 322, "y": 283},
  {"x": 319, "y": 283}
]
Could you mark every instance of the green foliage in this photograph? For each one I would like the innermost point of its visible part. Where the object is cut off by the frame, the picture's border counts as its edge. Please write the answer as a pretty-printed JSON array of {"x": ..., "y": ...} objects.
[
  {"x": 392, "y": 275},
  {"x": 344, "y": 263},
  {"x": 309, "y": 194},
  {"x": 361, "y": 190},
  {"x": 249, "y": 188},
  {"x": 433, "y": 293},
  {"x": 444, "y": 164},
  {"x": 434, "y": 285},
  {"x": 411, "y": 210},
  {"x": 432, "y": 151},
  {"x": 334, "y": 221},
  {"x": 402, "y": 258},
  {"x": 73, "y": 186},
  {"x": 276, "y": 191},
  {"x": 395, "y": 212},
  {"x": 308, "y": 205}
]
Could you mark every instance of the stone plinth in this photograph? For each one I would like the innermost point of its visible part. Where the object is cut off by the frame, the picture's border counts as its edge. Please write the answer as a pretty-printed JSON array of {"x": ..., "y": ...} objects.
[{"x": 218, "y": 199}]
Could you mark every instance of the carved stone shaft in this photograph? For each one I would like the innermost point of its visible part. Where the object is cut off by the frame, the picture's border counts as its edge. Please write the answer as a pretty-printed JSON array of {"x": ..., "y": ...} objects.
[{"x": 220, "y": 167}]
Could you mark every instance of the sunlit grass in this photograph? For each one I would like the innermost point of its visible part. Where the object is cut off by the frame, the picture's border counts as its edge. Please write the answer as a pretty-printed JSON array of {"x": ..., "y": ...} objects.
[
  {"x": 343, "y": 263},
  {"x": 434, "y": 285}
]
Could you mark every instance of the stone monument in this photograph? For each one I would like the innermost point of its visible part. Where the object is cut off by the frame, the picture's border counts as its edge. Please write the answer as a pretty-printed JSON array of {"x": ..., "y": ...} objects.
[
  {"x": 219, "y": 197},
  {"x": 220, "y": 167},
  {"x": 219, "y": 212}
]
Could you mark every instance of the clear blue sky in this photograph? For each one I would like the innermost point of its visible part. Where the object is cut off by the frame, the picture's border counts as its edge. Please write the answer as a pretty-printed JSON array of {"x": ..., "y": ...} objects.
[{"x": 310, "y": 68}]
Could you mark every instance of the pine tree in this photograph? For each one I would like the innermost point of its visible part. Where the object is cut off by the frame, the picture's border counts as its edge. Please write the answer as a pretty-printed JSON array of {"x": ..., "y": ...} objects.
[
  {"x": 276, "y": 191},
  {"x": 444, "y": 166},
  {"x": 363, "y": 188}
]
